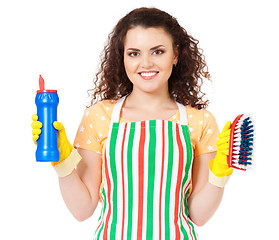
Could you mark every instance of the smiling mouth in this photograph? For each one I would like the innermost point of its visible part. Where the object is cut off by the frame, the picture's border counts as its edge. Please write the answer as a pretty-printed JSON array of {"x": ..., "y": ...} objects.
[{"x": 148, "y": 75}]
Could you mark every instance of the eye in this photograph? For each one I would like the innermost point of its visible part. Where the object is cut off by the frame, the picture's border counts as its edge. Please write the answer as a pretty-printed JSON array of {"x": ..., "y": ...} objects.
[
  {"x": 133, "y": 54},
  {"x": 158, "y": 52}
]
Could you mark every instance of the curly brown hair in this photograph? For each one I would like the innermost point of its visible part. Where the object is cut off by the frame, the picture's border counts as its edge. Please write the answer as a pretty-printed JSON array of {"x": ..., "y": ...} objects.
[{"x": 111, "y": 81}]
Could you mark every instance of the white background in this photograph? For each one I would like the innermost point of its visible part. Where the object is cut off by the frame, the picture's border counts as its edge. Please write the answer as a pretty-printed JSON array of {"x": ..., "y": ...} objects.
[{"x": 62, "y": 41}]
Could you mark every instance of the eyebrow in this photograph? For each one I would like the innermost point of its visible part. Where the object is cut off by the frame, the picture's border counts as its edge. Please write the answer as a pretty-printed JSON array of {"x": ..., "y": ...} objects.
[
  {"x": 137, "y": 50},
  {"x": 156, "y": 47}
]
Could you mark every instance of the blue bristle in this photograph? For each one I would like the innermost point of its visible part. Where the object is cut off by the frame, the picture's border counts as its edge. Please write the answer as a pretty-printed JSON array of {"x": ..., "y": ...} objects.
[
  {"x": 245, "y": 150},
  {"x": 244, "y": 153},
  {"x": 248, "y": 131},
  {"x": 245, "y": 159},
  {"x": 244, "y": 162},
  {"x": 246, "y": 142}
]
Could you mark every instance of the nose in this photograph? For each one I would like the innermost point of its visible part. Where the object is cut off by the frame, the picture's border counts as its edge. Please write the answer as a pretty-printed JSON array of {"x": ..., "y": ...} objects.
[{"x": 146, "y": 61}]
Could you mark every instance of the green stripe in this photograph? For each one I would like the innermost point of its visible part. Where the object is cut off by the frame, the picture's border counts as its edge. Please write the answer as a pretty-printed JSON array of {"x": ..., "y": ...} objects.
[
  {"x": 187, "y": 139},
  {"x": 151, "y": 178},
  {"x": 114, "y": 133},
  {"x": 168, "y": 181},
  {"x": 185, "y": 203},
  {"x": 189, "y": 148},
  {"x": 130, "y": 179}
]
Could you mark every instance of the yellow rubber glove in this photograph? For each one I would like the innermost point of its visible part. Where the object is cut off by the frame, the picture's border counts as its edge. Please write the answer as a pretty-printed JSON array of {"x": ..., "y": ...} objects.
[
  {"x": 36, "y": 128},
  {"x": 64, "y": 146},
  {"x": 219, "y": 166}
]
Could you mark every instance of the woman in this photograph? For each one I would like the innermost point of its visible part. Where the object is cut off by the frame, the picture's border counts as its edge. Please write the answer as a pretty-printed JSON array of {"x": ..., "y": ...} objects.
[{"x": 144, "y": 145}]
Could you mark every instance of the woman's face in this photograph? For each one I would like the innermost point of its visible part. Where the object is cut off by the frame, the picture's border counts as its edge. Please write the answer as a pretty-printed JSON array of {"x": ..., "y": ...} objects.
[{"x": 148, "y": 59}]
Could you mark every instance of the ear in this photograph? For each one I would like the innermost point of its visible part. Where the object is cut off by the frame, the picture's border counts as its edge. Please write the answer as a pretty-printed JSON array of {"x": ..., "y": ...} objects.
[{"x": 176, "y": 55}]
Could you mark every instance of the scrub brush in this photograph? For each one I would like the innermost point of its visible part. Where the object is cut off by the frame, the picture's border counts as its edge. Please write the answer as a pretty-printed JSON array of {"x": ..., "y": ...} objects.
[{"x": 241, "y": 142}]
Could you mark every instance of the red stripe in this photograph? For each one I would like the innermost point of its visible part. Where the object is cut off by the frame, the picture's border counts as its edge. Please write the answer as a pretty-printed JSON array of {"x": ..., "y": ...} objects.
[
  {"x": 141, "y": 180},
  {"x": 161, "y": 184},
  {"x": 123, "y": 182},
  {"x": 178, "y": 185},
  {"x": 108, "y": 197}
]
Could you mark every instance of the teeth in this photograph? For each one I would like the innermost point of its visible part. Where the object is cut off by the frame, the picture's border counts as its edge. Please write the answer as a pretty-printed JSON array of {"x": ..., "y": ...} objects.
[{"x": 148, "y": 74}]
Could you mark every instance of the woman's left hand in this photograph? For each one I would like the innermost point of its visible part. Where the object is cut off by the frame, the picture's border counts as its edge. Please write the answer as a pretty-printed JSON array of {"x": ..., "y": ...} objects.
[{"x": 219, "y": 166}]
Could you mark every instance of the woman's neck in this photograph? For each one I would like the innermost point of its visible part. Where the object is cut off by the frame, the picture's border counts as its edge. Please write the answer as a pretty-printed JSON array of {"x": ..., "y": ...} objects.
[
  {"x": 147, "y": 107},
  {"x": 149, "y": 101}
]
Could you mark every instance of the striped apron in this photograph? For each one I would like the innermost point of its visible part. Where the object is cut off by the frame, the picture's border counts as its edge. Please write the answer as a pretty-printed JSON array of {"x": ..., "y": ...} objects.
[{"x": 147, "y": 167}]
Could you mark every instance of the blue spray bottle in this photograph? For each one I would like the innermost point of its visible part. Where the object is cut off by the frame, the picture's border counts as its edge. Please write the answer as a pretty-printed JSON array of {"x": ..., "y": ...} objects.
[{"x": 47, "y": 144}]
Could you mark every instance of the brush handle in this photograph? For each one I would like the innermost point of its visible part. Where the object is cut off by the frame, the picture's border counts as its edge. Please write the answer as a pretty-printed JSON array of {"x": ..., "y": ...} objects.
[{"x": 229, "y": 157}]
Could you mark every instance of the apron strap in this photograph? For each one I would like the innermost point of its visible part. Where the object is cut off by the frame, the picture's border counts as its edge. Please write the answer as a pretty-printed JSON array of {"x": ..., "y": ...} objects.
[
  {"x": 117, "y": 108},
  {"x": 183, "y": 114}
]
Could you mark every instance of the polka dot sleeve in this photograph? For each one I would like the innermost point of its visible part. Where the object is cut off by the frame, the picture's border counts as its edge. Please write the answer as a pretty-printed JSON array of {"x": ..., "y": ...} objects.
[
  {"x": 208, "y": 131},
  {"x": 89, "y": 134}
]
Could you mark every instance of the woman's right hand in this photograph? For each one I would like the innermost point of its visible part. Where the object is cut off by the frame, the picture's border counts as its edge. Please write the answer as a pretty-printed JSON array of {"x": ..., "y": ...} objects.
[{"x": 64, "y": 146}]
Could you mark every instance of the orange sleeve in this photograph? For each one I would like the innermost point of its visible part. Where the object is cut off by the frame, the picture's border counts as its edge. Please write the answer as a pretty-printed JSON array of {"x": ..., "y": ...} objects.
[
  {"x": 87, "y": 137},
  {"x": 203, "y": 130},
  {"x": 209, "y": 134},
  {"x": 93, "y": 130}
]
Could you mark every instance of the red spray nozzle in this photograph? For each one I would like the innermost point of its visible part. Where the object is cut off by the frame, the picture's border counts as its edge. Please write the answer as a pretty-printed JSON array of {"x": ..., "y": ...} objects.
[
  {"x": 41, "y": 83},
  {"x": 42, "y": 86}
]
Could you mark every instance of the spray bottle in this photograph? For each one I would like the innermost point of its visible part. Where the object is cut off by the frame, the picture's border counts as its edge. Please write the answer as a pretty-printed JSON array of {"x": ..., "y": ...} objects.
[{"x": 47, "y": 144}]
